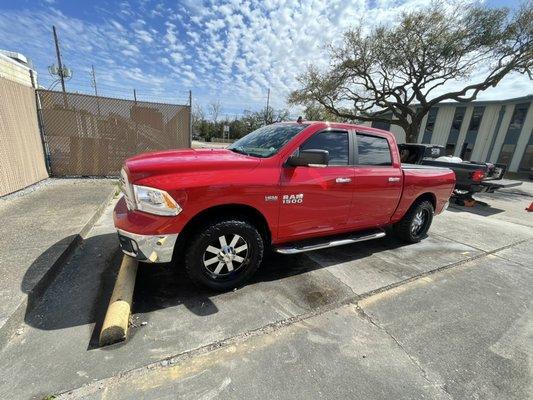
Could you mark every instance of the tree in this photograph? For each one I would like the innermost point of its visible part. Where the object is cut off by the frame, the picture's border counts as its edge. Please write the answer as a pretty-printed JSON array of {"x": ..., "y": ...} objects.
[
  {"x": 250, "y": 121},
  {"x": 214, "y": 110},
  {"x": 271, "y": 116},
  {"x": 197, "y": 117},
  {"x": 400, "y": 70},
  {"x": 315, "y": 111},
  {"x": 282, "y": 115}
]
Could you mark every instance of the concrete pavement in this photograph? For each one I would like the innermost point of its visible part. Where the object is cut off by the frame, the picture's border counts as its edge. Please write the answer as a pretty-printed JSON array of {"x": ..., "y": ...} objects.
[
  {"x": 462, "y": 333},
  {"x": 370, "y": 320},
  {"x": 38, "y": 228}
]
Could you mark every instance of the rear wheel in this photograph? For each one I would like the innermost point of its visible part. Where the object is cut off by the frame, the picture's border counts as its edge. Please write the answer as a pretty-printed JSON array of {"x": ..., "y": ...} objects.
[
  {"x": 224, "y": 254},
  {"x": 415, "y": 224}
]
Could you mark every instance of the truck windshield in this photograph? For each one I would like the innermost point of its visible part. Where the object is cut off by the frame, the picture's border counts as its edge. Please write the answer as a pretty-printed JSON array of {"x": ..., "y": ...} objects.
[{"x": 266, "y": 141}]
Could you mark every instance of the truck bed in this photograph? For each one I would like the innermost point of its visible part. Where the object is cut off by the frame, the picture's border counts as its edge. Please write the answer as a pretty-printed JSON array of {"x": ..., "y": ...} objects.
[
  {"x": 418, "y": 166},
  {"x": 424, "y": 155}
]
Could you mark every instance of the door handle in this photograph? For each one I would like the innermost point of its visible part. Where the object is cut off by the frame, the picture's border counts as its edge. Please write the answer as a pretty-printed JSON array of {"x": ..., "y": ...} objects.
[
  {"x": 343, "y": 180},
  {"x": 394, "y": 179}
]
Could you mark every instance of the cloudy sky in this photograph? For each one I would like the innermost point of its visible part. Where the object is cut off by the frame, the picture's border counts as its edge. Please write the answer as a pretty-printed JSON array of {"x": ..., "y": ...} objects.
[{"x": 230, "y": 50}]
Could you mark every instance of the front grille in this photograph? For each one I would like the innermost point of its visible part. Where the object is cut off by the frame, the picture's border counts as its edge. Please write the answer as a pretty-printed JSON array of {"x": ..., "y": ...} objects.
[{"x": 127, "y": 189}]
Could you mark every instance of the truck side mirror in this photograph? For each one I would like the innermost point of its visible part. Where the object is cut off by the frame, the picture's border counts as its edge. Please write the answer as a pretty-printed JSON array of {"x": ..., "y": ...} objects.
[{"x": 304, "y": 158}]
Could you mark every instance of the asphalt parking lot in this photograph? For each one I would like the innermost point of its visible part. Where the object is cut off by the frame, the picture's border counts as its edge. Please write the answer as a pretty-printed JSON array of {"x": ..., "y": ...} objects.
[{"x": 449, "y": 318}]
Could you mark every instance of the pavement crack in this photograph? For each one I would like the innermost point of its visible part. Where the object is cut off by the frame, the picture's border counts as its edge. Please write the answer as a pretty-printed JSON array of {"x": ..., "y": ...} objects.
[
  {"x": 277, "y": 325},
  {"x": 513, "y": 261},
  {"x": 458, "y": 241},
  {"x": 364, "y": 315}
]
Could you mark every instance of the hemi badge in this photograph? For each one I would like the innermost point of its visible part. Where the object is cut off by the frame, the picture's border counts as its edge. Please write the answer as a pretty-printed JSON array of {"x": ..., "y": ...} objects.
[{"x": 271, "y": 198}]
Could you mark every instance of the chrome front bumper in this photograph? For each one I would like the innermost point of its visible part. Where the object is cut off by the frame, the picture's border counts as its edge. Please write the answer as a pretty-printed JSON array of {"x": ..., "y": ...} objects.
[{"x": 147, "y": 248}]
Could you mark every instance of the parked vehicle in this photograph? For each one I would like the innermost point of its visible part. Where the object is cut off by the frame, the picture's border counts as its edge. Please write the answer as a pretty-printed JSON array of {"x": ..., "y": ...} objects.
[
  {"x": 292, "y": 187},
  {"x": 471, "y": 176}
]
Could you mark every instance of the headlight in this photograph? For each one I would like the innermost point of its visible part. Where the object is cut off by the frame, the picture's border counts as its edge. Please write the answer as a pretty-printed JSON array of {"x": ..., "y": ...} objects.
[{"x": 155, "y": 201}]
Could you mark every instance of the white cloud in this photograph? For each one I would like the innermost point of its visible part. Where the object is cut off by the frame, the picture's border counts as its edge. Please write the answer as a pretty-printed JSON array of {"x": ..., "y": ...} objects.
[
  {"x": 188, "y": 75},
  {"x": 250, "y": 46},
  {"x": 231, "y": 49},
  {"x": 176, "y": 57},
  {"x": 145, "y": 36},
  {"x": 195, "y": 36},
  {"x": 117, "y": 25}
]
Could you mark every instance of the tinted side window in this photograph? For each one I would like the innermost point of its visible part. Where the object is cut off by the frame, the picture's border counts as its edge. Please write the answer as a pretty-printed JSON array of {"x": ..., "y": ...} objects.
[
  {"x": 334, "y": 142},
  {"x": 373, "y": 150}
]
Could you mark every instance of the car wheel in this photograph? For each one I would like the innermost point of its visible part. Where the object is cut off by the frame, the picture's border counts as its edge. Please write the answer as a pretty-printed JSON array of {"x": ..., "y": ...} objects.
[
  {"x": 413, "y": 227},
  {"x": 224, "y": 255}
]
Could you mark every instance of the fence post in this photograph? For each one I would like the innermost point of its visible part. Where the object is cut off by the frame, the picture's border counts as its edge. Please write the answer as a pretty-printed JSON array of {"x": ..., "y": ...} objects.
[
  {"x": 44, "y": 141},
  {"x": 190, "y": 118}
]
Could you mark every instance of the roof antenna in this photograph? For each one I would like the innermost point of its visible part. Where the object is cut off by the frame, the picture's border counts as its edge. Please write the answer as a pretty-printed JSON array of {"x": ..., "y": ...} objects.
[{"x": 300, "y": 119}]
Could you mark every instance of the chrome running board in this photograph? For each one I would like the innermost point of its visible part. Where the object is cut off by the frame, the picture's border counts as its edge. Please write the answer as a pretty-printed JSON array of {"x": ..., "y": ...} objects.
[{"x": 300, "y": 248}]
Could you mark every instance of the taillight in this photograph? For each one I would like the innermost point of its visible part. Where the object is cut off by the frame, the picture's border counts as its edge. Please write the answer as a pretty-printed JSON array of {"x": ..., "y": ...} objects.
[{"x": 478, "y": 175}]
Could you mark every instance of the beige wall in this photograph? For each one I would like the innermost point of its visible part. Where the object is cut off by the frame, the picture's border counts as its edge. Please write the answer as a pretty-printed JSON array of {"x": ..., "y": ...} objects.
[
  {"x": 21, "y": 152},
  {"x": 16, "y": 72}
]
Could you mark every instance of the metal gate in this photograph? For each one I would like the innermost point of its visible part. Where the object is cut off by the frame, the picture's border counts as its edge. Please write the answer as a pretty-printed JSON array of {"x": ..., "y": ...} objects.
[{"x": 91, "y": 136}]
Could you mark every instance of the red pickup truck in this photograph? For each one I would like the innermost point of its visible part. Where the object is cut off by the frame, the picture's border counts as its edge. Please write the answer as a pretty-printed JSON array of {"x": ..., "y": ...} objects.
[{"x": 292, "y": 187}]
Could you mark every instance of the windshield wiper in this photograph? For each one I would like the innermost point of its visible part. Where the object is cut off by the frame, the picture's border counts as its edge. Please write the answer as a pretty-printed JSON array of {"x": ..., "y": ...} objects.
[{"x": 240, "y": 150}]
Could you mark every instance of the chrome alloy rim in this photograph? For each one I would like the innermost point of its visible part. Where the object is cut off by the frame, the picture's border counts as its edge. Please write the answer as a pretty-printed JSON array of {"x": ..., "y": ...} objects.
[
  {"x": 419, "y": 222},
  {"x": 222, "y": 258}
]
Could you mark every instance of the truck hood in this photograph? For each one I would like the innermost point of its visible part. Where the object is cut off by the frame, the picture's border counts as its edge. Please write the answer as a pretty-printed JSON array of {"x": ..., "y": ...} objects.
[{"x": 189, "y": 160}]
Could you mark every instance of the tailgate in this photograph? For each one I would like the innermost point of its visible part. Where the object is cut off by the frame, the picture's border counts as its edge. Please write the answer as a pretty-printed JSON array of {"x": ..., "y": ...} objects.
[{"x": 501, "y": 183}]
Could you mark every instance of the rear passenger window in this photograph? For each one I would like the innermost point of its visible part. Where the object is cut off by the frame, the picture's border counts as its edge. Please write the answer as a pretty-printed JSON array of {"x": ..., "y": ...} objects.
[
  {"x": 373, "y": 150},
  {"x": 334, "y": 142}
]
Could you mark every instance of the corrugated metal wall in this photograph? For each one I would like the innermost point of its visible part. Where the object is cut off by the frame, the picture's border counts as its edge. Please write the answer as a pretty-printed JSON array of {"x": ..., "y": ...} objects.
[{"x": 21, "y": 151}]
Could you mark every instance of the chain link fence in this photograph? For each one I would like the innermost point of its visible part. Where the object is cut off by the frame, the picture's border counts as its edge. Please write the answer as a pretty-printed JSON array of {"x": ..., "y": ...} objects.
[{"x": 91, "y": 136}]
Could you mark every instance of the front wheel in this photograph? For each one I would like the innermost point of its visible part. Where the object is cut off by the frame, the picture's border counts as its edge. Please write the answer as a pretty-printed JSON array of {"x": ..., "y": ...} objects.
[
  {"x": 224, "y": 254},
  {"x": 413, "y": 227}
]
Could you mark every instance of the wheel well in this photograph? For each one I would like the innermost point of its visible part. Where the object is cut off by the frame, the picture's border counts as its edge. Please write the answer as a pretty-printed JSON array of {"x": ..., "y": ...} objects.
[
  {"x": 429, "y": 197},
  {"x": 227, "y": 210}
]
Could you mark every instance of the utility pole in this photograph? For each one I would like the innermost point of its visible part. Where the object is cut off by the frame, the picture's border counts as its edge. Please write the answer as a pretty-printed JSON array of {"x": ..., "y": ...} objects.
[
  {"x": 266, "y": 111},
  {"x": 93, "y": 80},
  {"x": 93, "y": 84},
  {"x": 59, "y": 63},
  {"x": 190, "y": 118},
  {"x": 135, "y": 119}
]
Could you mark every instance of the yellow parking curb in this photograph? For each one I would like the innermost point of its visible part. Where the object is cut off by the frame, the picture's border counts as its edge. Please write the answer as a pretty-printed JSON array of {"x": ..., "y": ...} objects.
[{"x": 115, "y": 327}]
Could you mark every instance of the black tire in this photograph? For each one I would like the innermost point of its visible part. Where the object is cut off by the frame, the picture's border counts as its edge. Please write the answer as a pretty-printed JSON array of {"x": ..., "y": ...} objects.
[
  {"x": 410, "y": 229},
  {"x": 212, "y": 269}
]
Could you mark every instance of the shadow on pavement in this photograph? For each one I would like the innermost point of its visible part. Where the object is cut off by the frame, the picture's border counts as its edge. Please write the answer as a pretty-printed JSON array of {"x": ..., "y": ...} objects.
[
  {"x": 161, "y": 286},
  {"x": 480, "y": 208},
  {"x": 80, "y": 293}
]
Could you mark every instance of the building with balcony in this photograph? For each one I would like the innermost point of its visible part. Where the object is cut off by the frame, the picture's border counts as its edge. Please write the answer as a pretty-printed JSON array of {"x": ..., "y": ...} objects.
[{"x": 490, "y": 131}]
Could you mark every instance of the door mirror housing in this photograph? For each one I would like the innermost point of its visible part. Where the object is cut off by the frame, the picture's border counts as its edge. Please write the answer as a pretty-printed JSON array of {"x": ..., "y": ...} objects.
[{"x": 304, "y": 158}]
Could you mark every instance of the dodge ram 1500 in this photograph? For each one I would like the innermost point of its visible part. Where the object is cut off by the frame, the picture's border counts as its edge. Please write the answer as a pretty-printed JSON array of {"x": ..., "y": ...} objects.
[{"x": 292, "y": 187}]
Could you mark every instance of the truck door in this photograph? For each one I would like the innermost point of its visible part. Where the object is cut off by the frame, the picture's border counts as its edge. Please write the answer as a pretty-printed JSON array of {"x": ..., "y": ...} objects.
[
  {"x": 317, "y": 199},
  {"x": 378, "y": 182}
]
